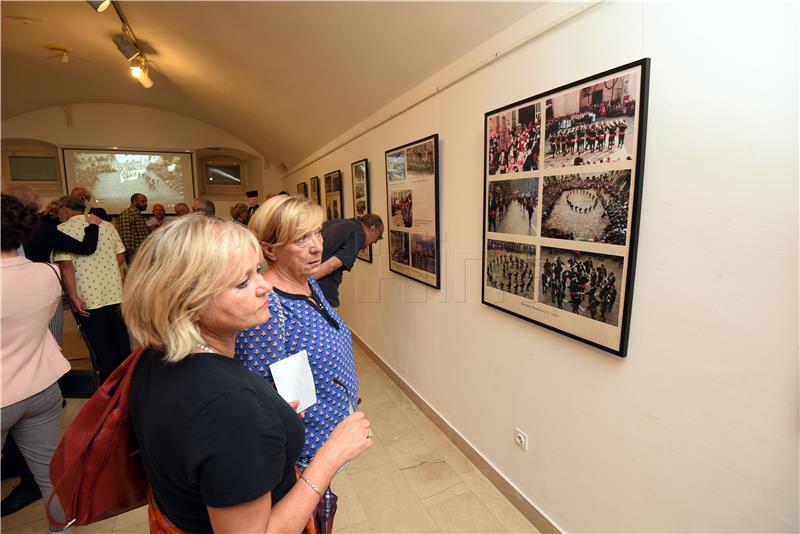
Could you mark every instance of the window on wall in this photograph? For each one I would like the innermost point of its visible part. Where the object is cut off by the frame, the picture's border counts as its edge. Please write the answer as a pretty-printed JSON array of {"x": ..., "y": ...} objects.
[{"x": 33, "y": 168}]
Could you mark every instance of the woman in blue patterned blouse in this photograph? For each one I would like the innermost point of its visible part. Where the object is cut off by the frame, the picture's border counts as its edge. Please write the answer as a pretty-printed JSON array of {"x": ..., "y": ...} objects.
[{"x": 289, "y": 229}]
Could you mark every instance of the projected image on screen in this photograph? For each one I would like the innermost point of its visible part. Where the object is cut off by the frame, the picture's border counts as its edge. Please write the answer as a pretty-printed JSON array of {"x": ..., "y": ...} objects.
[{"x": 113, "y": 176}]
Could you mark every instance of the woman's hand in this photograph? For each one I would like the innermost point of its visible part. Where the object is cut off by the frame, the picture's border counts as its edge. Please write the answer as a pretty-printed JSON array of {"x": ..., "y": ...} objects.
[
  {"x": 349, "y": 439},
  {"x": 91, "y": 218}
]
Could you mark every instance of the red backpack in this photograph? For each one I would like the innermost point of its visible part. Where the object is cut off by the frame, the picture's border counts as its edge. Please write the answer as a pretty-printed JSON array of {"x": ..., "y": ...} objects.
[{"x": 96, "y": 470}]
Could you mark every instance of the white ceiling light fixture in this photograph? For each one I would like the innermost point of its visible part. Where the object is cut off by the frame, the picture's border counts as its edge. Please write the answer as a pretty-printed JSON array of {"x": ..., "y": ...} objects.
[
  {"x": 140, "y": 71},
  {"x": 99, "y": 6},
  {"x": 126, "y": 45}
]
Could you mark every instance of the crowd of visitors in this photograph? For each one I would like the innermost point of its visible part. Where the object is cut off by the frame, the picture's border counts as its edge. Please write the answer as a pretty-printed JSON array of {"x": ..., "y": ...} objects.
[{"x": 194, "y": 297}]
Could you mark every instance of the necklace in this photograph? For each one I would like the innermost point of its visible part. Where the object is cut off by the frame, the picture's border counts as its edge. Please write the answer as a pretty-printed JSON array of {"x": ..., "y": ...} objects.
[{"x": 206, "y": 348}]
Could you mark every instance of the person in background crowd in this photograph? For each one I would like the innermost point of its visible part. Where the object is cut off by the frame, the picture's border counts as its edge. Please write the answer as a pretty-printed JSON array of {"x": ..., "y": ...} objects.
[
  {"x": 203, "y": 206},
  {"x": 182, "y": 209},
  {"x": 252, "y": 202},
  {"x": 94, "y": 284},
  {"x": 240, "y": 213},
  {"x": 289, "y": 229},
  {"x": 86, "y": 195},
  {"x": 132, "y": 226},
  {"x": 158, "y": 219},
  {"x": 343, "y": 238},
  {"x": 221, "y": 457},
  {"x": 31, "y": 359}
]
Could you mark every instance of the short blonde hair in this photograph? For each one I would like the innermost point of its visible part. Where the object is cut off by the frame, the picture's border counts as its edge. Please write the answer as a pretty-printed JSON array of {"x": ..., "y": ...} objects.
[
  {"x": 177, "y": 271},
  {"x": 282, "y": 219}
]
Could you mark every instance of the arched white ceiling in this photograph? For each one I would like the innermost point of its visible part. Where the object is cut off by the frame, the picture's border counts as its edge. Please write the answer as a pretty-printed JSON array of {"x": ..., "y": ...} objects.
[{"x": 284, "y": 77}]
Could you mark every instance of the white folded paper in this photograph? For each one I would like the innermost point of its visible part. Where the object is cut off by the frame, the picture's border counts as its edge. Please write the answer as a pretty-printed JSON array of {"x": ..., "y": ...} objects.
[{"x": 294, "y": 380}]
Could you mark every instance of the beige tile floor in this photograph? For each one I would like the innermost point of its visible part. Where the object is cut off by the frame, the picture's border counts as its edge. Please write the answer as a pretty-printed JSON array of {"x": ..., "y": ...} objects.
[{"x": 413, "y": 480}]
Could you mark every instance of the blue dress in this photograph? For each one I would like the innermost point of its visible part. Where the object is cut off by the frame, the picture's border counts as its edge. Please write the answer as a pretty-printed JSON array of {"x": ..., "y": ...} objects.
[{"x": 296, "y": 323}]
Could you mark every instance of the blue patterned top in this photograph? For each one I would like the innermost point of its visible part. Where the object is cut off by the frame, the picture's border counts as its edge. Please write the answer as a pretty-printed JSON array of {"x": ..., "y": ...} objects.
[{"x": 296, "y": 324}]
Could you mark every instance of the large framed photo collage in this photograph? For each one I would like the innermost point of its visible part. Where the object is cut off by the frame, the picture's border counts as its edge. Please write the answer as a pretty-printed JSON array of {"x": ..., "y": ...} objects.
[{"x": 562, "y": 196}]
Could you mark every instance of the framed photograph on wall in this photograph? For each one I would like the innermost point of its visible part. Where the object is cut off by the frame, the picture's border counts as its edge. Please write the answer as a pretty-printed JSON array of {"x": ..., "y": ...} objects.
[
  {"x": 562, "y": 199},
  {"x": 315, "y": 191},
  {"x": 412, "y": 198},
  {"x": 302, "y": 189},
  {"x": 359, "y": 172},
  {"x": 334, "y": 196}
]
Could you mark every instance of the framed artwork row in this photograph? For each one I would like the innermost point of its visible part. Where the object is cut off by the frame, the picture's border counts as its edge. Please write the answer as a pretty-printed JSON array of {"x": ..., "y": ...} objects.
[
  {"x": 359, "y": 172},
  {"x": 412, "y": 198},
  {"x": 334, "y": 196},
  {"x": 562, "y": 198}
]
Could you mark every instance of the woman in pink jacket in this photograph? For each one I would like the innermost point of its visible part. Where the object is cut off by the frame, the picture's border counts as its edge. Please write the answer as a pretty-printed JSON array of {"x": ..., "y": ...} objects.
[{"x": 31, "y": 359}]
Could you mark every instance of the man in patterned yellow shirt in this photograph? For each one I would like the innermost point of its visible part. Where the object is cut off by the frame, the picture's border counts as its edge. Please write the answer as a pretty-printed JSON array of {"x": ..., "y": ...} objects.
[
  {"x": 132, "y": 225},
  {"x": 94, "y": 283}
]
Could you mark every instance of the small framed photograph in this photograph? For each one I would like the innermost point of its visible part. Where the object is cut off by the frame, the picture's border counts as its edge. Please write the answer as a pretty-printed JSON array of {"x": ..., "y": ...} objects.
[
  {"x": 334, "y": 196},
  {"x": 302, "y": 189},
  {"x": 315, "y": 190},
  {"x": 359, "y": 172}
]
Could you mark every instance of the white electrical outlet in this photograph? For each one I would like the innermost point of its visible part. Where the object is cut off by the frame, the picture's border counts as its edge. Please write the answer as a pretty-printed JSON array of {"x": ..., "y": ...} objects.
[{"x": 521, "y": 439}]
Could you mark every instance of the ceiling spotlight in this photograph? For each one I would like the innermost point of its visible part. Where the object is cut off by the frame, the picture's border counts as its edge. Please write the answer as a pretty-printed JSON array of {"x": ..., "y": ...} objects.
[
  {"x": 99, "y": 6},
  {"x": 126, "y": 47},
  {"x": 140, "y": 72}
]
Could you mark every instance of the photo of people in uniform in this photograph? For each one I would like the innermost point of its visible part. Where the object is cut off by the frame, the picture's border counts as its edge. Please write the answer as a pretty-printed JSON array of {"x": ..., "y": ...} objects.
[
  {"x": 512, "y": 205},
  {"x": 396, "y": 166},
  {"x": 510, "y": 267},
  {"x": 587, "y": 207},
  {"x": 423, "y": 252},
  {"x": 513, "y": 137},
  {"x": 402, "y": 205},
  {"x": 398, "y": 244},
  {"x": 592, "y": 125},
  {"x": 419, "y": 159},
  {"x": 586, "y": 284}
]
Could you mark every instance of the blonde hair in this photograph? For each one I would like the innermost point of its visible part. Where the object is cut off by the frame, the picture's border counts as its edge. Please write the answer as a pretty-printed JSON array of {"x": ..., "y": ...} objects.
[
  {"x": 177, "y": 271},
  {"x": 282, "y": 219}
]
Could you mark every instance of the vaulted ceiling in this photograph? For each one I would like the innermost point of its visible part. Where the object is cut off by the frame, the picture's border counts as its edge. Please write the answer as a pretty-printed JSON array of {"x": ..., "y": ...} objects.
[{"x": 284, "y": 77}]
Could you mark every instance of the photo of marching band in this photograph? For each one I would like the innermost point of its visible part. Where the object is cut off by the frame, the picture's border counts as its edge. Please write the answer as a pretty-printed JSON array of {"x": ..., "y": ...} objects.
[
  {"x": 587, "y": 207},
  {"x": 423, "y": 253},
  {"x": 512, "y": 206},
  {"x": 593, "y": 124},
  {"x": 586, "y": 284},
  {"x": 510, "y": 267},
  {"x": 514, "y": 140}
]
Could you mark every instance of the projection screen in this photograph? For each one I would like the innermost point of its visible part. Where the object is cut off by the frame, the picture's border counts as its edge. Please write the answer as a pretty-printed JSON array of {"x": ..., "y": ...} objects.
[{"x": 114, "y": 175}]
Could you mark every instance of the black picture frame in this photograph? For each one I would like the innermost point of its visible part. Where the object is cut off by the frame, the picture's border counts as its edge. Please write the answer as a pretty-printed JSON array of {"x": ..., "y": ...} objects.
[
  {"x": 413, "y": 225},
  {"x": 562, "y": 195},
  {"x": 359, "y": 174},
  {"x": 302, "y": 189},
  {"x": 315, "y": 190},
  {"x": 334, "y": 196}
]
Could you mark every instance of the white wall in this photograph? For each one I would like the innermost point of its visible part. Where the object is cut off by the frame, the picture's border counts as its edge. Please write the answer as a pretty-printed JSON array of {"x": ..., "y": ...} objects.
[
  {"x": 126, "y": 126},
  {"x": 697, "y": 430}
]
